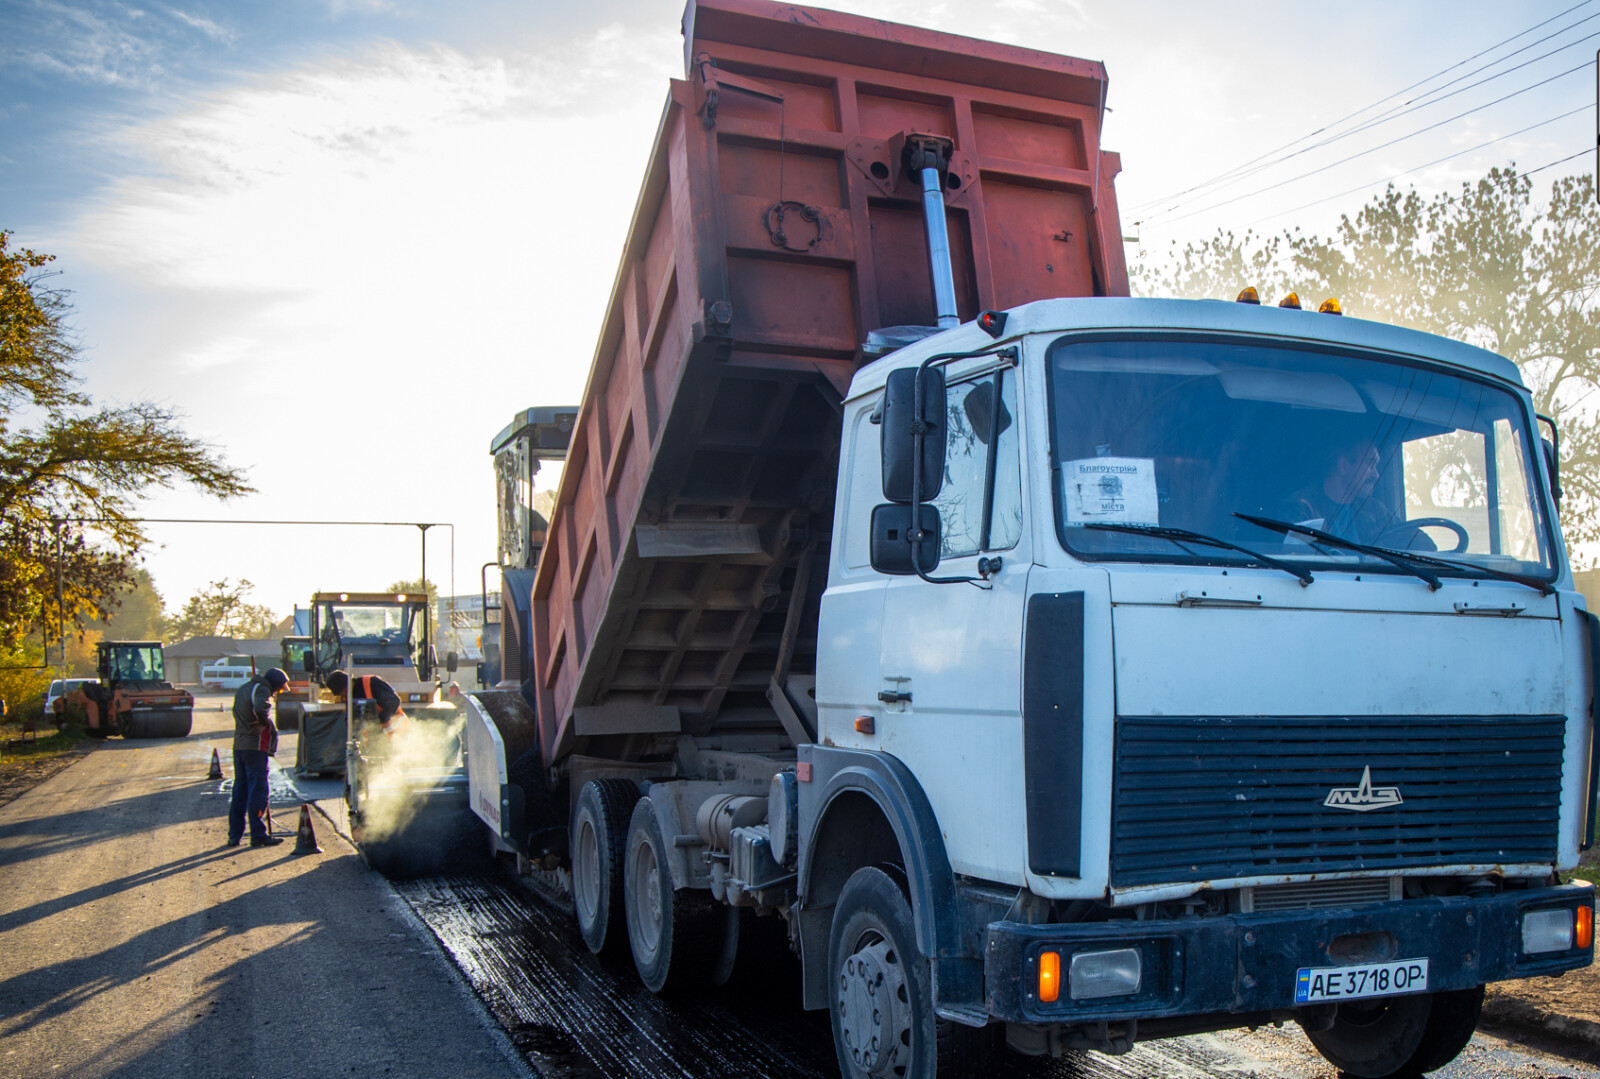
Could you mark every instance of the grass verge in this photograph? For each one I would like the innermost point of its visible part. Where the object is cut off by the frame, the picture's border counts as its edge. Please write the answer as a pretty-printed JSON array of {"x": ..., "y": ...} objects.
[{"x": 25, "y": 764}]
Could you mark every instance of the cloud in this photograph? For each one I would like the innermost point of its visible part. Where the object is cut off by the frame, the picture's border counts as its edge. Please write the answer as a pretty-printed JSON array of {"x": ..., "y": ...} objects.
[
  {"x": 219, "y": 352},
  {"x": 106, "y": 43},
  {"x": 76, "y": 42},
  {"x": 411, "y": 228},
  {"x": 204, "y": 25}
]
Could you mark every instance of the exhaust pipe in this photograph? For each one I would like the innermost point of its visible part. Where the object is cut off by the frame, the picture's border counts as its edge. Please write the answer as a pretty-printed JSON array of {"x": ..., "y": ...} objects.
[{"x": 928, "y": 157}]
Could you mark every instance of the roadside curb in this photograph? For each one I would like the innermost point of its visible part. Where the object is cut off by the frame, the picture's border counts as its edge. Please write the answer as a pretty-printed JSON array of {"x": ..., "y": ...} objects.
[{"x": 1514, "y": 1015}]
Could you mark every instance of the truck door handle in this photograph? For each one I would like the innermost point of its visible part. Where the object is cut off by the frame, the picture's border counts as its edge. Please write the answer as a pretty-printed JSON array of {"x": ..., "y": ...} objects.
[{"x": 894, "y": 696}]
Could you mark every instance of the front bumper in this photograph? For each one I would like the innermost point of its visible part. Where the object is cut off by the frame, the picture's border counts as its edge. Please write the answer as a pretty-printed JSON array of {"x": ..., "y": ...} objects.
[{"x": 1247, "y": 963}]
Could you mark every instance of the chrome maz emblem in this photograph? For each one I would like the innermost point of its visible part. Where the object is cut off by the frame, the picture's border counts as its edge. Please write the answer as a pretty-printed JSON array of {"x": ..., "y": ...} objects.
[{"x": 1365, "y": 797}]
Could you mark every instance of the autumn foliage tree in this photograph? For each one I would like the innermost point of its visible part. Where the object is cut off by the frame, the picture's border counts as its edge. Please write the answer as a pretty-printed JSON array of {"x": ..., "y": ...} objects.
[
  {"x": 1485, "y": 264},
  {"x": 221, "y": 609},
  {"x": 72, "y": 471}
]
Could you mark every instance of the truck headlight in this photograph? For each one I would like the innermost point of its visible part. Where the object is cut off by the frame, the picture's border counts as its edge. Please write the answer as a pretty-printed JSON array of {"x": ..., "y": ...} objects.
[
  {"x": 1547, "y": 931},
  {"x": 1113, "y": 973}
]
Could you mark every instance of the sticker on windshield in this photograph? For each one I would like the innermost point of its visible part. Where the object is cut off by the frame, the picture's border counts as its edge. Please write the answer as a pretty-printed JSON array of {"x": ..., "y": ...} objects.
[{"x": 1112, "y": 490}]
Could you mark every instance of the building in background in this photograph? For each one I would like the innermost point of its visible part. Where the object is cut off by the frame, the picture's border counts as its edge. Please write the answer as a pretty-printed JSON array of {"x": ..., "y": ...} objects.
[
  {"x": 186, "y": 658},
  {"x": 458, "y": 627}
]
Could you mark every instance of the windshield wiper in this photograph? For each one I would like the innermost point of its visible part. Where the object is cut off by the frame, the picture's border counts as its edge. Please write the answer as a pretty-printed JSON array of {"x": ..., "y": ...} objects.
[
  {"x": 1406, "y": 562},
  {"x": 1180, "y": 535},
  {"x": 1535, "y": 583}
]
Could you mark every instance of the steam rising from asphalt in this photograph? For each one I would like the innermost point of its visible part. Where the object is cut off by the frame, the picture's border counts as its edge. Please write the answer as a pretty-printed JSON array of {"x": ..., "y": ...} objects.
[{"x": 399, "y": 766}]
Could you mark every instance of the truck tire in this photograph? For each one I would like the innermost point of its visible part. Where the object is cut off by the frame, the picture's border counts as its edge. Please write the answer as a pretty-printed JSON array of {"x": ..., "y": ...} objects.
[
  {"x": 599, "y": 842},
  {"x": 1451, "y": 1024},
  {"x": 676, "y": 936},
  {"x": 881, "y": 992},
  {"x": 1397, "y": 1036}
]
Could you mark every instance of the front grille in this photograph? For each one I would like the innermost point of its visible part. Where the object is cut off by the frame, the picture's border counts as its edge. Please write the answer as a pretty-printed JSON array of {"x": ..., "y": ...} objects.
[
  {"x": 1319, "y": 894},
  {"x": 1209, "y": 798}
]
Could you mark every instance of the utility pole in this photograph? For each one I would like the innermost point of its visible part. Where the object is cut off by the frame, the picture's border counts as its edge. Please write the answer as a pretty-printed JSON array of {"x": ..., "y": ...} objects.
[
  {"x": 61, "y": 607},
  {"x": 427, "y": 616}
]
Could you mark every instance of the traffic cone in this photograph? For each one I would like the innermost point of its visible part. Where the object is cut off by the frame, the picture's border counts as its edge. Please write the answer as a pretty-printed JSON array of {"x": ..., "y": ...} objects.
[
  {"x": 306, "y": 840},
  {"x": 216, "y": 765}
]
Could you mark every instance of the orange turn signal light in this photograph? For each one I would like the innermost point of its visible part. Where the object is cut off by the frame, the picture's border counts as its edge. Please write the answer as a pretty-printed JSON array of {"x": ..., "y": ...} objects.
[
  {"x": 1583, "y": 927},
  {"x": 1049, "y": 976},
  {"x": 1291, "y": 300},
  {"x": 1330, "y": 306},
  {"x": 1247, "y": 295},
  {"x": 865, "y": 725}
]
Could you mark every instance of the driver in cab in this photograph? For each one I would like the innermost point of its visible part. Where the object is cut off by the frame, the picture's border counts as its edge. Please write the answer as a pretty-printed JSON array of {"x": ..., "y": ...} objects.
[
  {"x": 1345, "y": 502},
  {"x": 369, "y": 687}
]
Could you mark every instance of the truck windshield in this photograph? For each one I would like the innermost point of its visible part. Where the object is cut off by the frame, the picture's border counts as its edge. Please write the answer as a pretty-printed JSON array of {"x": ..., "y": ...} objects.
[
  {"x": 370, "y": 623},
  {"x": 1188, "y": 434},
  {"x": 138, "y": 663}
]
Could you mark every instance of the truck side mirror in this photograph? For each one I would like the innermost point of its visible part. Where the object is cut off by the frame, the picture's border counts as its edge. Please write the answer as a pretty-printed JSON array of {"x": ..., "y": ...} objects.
[
  {"x": 307, "y": 661},
  {"x": 1555, "y": 474},
  {"x": 891, "y": 547},
  {"x": 899, "y": 437},
  {"x": 1552, "y": 455},
  {"x": 451, "y": 661}
]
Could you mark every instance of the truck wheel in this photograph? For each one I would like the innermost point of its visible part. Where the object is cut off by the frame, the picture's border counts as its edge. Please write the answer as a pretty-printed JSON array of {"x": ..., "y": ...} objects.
[
  {"x": 599, "y": 841},
  {"x": 882, "y": 993},
  {"x": 676, "y": 936},
  {"x": 1400, "y": 1035}
]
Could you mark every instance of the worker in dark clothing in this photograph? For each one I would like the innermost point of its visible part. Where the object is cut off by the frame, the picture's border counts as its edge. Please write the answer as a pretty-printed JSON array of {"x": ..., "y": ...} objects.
[
  {"x": 369, "y": 687},
  {"x": 255, "y": 738}
]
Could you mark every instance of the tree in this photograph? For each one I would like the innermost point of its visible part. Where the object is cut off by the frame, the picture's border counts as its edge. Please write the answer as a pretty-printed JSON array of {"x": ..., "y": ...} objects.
[
  {"x": 221, "y": 610},
  {"x": 71, "y": 471},
  {"x": 1484, "y": 265},
  {"x": 137, "y": 617}
]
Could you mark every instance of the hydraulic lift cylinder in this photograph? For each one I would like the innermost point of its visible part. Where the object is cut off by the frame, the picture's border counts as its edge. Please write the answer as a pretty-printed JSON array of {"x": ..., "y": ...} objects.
[{"x": 944, "y": 282}]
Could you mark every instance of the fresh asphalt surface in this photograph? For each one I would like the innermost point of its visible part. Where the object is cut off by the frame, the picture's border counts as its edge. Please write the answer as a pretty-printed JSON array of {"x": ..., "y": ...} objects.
[{"x": 133, "y": 944}]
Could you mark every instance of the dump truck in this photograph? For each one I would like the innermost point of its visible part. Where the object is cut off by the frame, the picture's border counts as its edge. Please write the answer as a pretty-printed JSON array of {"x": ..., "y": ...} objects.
[
  {"x": 132, "y": 696},
  {"x": 1058, "y": 669}
]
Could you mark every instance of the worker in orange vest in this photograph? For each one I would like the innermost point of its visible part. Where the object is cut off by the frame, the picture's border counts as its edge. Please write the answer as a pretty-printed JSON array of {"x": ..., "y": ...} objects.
[{"x": 369, "y": 687}]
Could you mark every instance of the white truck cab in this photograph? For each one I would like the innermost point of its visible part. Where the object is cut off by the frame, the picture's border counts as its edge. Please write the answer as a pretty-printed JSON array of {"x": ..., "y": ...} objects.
[{"x": 1248, "y": 679}]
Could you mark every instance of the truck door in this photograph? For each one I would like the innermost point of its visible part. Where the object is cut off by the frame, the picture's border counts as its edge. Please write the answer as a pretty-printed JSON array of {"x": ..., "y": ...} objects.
[{"x": 951, "y": 654}]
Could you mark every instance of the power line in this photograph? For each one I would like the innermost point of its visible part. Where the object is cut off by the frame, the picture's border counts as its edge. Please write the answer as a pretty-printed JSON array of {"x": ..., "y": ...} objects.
[
  {"x": 236, "y": 521},
  {"x": 1328, "y": 127},
  {"x": 1563, "y": 161},
  {"x": 1451, "y": 200},
  {"x": 1374, "y": 149},
  {"x": 1422, "y": 103},
  {"x": 1392, "y": 115},
  {"x": 1429, "y": 165}
]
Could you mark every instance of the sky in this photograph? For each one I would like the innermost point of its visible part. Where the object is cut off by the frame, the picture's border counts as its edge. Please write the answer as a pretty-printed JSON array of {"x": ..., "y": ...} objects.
[{"x": 347, "y": 239}]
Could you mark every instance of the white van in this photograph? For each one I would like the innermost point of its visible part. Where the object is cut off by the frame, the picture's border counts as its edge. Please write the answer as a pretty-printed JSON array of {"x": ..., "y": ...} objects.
[{"x": 229, "y": 672}]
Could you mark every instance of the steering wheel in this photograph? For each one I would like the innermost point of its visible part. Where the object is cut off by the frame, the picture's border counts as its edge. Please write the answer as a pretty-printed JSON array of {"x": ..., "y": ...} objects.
[{"x": 1415, "y": 526}]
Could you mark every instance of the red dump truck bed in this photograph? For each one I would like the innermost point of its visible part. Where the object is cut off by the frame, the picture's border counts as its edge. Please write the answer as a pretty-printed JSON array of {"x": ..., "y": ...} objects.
[{"x": 775, "y": 229}]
